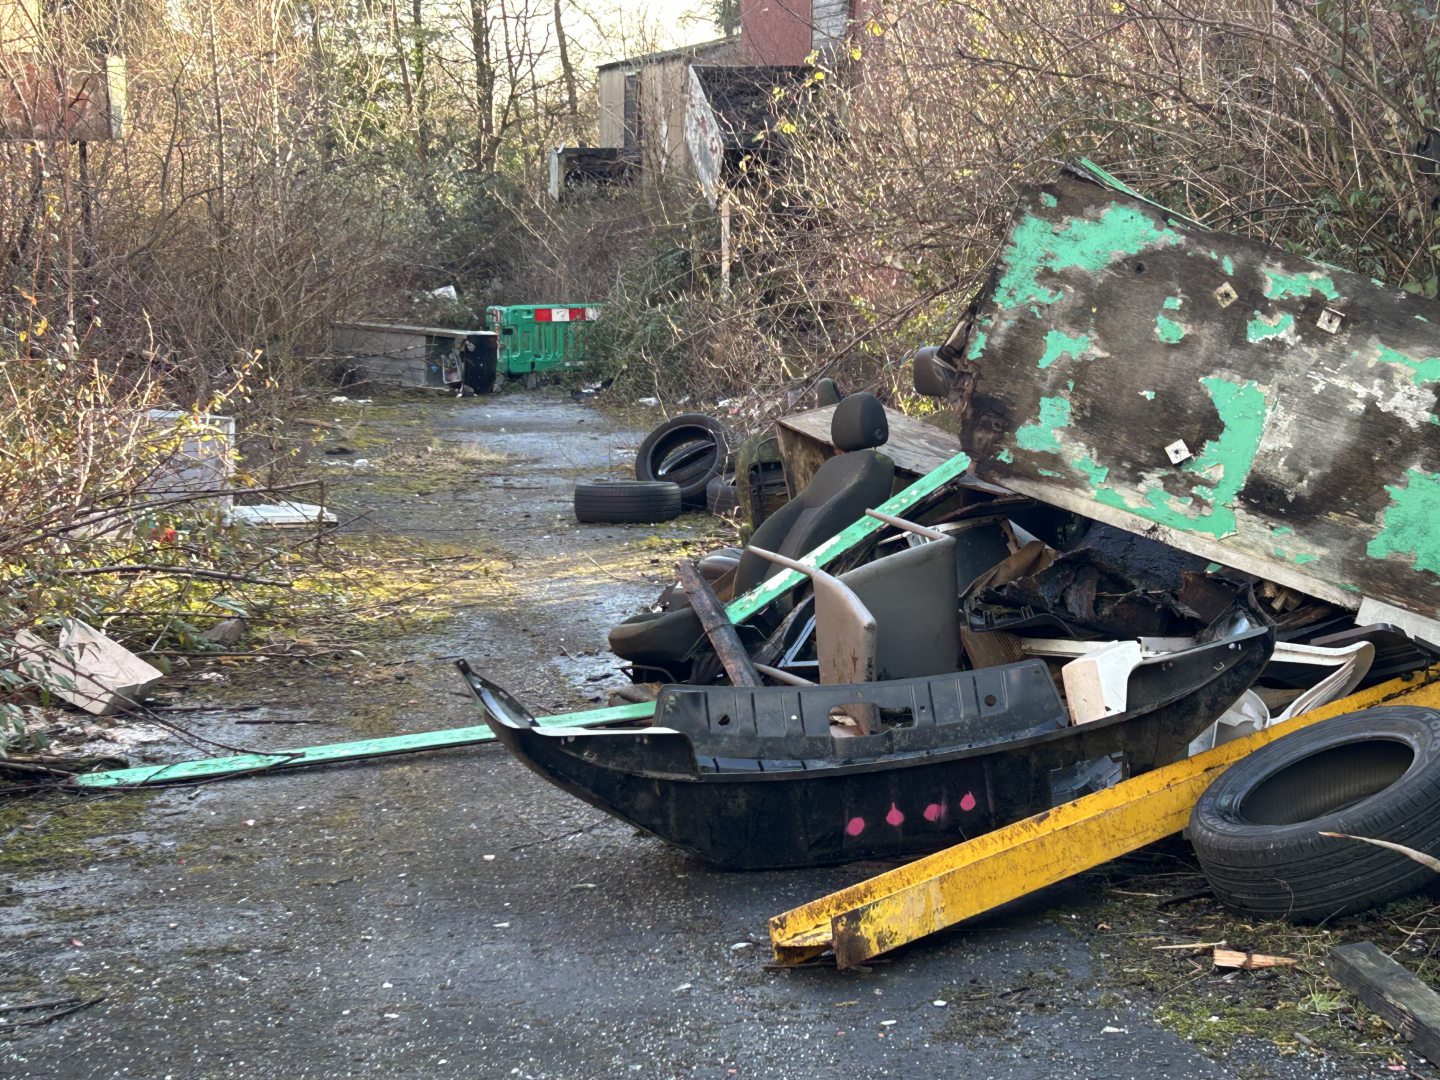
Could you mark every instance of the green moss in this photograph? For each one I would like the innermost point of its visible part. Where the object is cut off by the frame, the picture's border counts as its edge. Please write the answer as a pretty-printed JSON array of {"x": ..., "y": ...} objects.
[{"x": 63, "y": 833}]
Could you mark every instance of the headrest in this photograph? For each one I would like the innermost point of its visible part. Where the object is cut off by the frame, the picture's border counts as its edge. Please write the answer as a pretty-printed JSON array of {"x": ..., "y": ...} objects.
[
  {"x": 859, "y": 423},
  {"x": 931, "y": 375}
]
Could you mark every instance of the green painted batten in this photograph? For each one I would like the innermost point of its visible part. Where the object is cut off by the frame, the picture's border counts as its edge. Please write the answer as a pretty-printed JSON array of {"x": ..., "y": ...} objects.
[{"x": 738, "y": 610}]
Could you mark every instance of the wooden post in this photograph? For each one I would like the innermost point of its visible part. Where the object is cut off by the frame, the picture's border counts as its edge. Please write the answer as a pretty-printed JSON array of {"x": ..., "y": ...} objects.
[
  {"x": 1390, "y": 991},
  {"x": 717, "y": 625}
]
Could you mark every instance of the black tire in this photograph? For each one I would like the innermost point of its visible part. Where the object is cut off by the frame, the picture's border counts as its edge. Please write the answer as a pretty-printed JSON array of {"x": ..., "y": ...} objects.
[
  {"x": 1374, "y": 773},
  {"x": 689, "y": 450},
  {"x": 721, "y": 498},
  {"x": 626, "y": 501},
  {"x": 482, "y": 374}
]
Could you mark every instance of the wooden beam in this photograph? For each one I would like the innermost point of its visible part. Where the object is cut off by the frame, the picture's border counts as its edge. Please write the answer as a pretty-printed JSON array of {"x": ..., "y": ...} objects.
[
  {"x": 717, "y": 626},
  {"x": 969, "y": 879},
  {"x": 1390, "y": 991}
]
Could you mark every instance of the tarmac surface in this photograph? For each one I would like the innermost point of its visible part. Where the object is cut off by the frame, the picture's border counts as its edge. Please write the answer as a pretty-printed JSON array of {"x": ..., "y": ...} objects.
[{"x": 451, "y": 915}]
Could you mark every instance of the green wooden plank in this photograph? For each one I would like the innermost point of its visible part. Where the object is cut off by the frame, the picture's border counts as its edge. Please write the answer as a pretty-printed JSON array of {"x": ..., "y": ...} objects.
[
  {"x": 739, "y": 610},
  {"x": 183, "y": 772}
]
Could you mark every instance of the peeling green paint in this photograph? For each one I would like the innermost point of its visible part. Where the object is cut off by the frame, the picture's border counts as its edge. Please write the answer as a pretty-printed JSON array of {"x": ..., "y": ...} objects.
[
  {"x": 1047, "y": 472},
  {"x": 1408, "y": 524},
  {"x": 1089, "y": 244},
  {"x": 1058, "y": 344},
  {"x": 1221, "y": 467},
  {"x": 1299, "y": 558},
  {"x": 977, "y": 346},
  {"x": 1168, "y": 330},
  {"x": 1228, "y": 266},
  {"x": 1278, "y": 286},
  {"x": 1006, "y": 456},
  {"x": 1096, "y": 473},
  {"x": 1261, "y": 328},
  {"x": 1423, "y": 371},
  {"x": 1046, "y": 199},
  {"x": 1172, "y": 303},
  {"x": 1040, "y": 436},
  {"x": 1148, "y": 395}
]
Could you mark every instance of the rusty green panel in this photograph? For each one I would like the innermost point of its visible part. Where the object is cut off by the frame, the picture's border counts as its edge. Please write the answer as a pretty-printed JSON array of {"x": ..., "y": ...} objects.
[{"x": 1256, "y": 408}]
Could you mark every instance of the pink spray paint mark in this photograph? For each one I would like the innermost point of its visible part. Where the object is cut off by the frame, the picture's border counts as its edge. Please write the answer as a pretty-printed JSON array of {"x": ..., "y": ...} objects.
[
  {"x": 855, "y": 826},
  {"x": 967, "y": 802},
  {"x": 894, "y": 817},
  {"x": 934, "y": 812}
]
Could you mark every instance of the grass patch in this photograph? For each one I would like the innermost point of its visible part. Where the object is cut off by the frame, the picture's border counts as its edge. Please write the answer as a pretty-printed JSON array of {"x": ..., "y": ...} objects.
[
  {"x": 64, "y": 833},
  {"x": 1296, "y": 1010}
]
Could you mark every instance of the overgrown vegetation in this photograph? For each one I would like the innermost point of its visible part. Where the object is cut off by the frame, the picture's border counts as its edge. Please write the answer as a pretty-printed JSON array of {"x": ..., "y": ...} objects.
[
  {"x": 864, "y": 219},
  {"x": 289, "y": 164}
]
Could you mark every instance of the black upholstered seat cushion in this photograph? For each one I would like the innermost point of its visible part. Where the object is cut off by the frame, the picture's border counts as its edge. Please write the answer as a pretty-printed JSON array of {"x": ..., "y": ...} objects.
[{"x": 838, "y": 495}]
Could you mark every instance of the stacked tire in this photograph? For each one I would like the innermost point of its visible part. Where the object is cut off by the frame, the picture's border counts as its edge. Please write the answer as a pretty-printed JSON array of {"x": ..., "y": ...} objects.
[
  {"x": 721, "y": 498},
  {"x": 626, "y": 501},
  {"x": 689, "y": 451}
]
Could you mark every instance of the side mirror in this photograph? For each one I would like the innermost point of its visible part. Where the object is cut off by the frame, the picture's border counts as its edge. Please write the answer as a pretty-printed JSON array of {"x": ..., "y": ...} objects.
[{"x": 932, "y": 376}]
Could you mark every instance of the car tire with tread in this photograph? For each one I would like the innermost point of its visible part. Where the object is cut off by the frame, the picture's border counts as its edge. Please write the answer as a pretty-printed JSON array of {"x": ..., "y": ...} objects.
[
  {"x": 721, "y": 498},
  {"x": 626, "y": 501},
  {"x": 1376, "y": 773},
  {"x": 688, "y": 450}
]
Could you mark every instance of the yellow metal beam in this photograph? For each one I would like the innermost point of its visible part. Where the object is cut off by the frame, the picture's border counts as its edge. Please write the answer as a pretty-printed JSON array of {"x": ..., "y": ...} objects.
[{"x": 969, "y": 879}]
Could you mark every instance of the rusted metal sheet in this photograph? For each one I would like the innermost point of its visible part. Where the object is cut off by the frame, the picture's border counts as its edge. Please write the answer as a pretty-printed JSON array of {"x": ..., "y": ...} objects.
[{"x": 1271, "y": 413}]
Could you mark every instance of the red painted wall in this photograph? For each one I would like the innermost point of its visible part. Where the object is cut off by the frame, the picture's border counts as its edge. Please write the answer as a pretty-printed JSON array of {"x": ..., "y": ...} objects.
[{"x": 775, "y": 31}]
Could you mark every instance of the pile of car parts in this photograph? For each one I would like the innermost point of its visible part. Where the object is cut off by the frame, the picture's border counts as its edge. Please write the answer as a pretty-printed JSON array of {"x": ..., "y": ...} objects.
[{"x": 1155, "y": 475}]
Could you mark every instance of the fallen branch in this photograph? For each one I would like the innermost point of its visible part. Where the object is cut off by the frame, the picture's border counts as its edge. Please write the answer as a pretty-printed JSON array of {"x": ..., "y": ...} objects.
[
  {"x": 173, "y": 571},
  {"x": 40, "y": 1005},
  {"x": 10, "y": 1025},
  {"x": 1410, "y": 853}
]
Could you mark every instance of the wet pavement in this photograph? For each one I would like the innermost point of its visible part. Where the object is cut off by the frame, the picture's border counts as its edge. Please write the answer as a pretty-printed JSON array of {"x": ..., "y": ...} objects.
[{"x": 450, "y": 915}]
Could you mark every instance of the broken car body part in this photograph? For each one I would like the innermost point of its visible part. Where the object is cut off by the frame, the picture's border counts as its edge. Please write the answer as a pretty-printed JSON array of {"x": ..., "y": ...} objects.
[
  {"x": 753, "y": 778},
  {"x": 738, "y": 610}
]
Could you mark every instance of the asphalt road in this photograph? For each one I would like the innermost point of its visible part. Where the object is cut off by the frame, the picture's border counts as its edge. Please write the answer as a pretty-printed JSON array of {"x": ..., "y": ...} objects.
[{"x": 451, "y": 915}]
